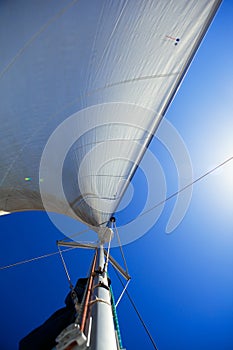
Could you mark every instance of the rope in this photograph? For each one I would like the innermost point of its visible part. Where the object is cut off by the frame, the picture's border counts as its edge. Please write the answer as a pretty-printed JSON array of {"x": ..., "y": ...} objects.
[
  {"x": 34, "y": 259},
  {"x": 122, "y": 293},
  {"x": 115, "y": 319},
  {"x": 65, "y": 268},
  {"x": 81, "y": 232},
  {"x": 76, "y": 234},
  {"x": 107, "y": 257},
  {"x": 137, "y": 312},
  {"x": 86, "y": 298},
  {"x": 73, "y": 291},
  {"x": 121, "y": 249},
  {"x": 185, "y": 187},
  {"x": 145, "y": 212}
]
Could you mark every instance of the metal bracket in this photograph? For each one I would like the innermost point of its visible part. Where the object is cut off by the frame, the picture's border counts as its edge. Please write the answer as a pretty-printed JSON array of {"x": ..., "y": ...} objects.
[
  {"x": 94, "y": 246},
  {"x": 71, "y": 337}
]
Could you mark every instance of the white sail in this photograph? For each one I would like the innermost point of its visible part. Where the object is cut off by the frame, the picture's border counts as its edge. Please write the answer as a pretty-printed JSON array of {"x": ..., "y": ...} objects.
[{"x": 98, "y": 76}]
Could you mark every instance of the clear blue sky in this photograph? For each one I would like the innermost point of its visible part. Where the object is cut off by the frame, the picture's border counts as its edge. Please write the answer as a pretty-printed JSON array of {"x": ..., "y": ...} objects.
[{"x": 182, "y": 283}]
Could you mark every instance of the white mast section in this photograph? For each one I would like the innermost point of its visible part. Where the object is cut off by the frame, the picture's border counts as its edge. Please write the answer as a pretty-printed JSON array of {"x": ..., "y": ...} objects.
[
  {"x": 95, "y": 329},
  {"x": 103, "y": 333}
]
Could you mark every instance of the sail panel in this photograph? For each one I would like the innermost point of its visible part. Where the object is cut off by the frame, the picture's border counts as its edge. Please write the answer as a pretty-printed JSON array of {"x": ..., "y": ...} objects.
[{"x": 110, "y": 67}]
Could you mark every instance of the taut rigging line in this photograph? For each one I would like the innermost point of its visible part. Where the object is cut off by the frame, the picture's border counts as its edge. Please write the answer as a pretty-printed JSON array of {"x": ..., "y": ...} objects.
[{"x": 145, "y": 212}]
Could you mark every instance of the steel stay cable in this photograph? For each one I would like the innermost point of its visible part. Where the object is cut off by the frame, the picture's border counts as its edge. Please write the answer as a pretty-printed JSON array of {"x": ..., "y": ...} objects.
[
  {"x": 145, "y": 212},
  {"x": 34, "y": 259},
  {"x": 137, "y": 312},
  {"x": 65, "y": 268},
  {"x": 83, "y": 231},
  {"x": 76, "y": 234},
  {"x": 49, "y": 254},
  {"x": 185, "y": 187},
  {"x": 121, "y": 249},
  {"x": 73, "y": 292}
]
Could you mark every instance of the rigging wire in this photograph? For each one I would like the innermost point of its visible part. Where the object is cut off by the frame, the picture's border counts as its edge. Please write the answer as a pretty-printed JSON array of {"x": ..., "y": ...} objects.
[
  {"x": 72, "y": 288},
  {"x": 121, "y": 249},
  {"x": 137, "y": 312},
  {"x": 81, "y": 232},
  {"x": 34, "y": 259},
  {"x": 143, "y": 213},
  {"x": 76, "y": 234},
  {"x": 187, "y": 186},
  {"x": 65, "y": 268}
]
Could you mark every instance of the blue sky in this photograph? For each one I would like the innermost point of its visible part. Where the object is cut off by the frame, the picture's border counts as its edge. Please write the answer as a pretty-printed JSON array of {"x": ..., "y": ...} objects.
[{"x": 182, "y": 283}]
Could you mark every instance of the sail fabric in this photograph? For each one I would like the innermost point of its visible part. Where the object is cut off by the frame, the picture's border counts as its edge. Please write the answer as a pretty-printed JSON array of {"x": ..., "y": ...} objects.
[{"x": 91, "y": 80}]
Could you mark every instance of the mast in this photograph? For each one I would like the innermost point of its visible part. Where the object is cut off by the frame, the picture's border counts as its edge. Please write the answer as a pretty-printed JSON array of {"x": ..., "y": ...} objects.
[
  {"x": 102, "y": 333},
  {"x": 94, "y": 327}
]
